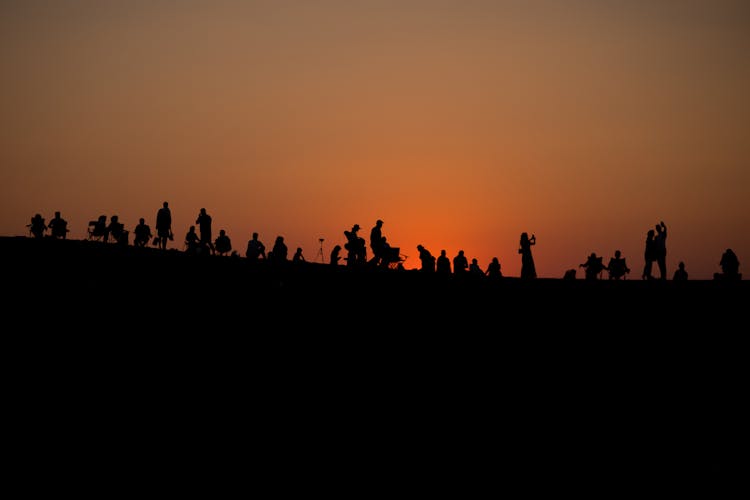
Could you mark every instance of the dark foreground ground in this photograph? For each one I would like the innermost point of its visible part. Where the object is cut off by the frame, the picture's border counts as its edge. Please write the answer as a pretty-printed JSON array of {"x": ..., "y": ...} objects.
[{"x": 367, "y": 381}]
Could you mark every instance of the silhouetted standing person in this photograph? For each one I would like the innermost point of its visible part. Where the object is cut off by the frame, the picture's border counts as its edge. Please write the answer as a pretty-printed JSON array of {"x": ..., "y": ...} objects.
[
  {"x": 443, "y": 263},
  {"x": 142, "y": 233},
  {"x": 377, "y": 242},
  {"x": 660, "y": 249},
  {"x": 649, "y": 255},
  {"x": 528, "y": 269},
  {"x": 680, "y": 274},
  {"x": 255, "y": 248},
  {"x": 164, "y": 225},
  {"x": 58, "y": 226},
  {"x": 204, "y": 225}
]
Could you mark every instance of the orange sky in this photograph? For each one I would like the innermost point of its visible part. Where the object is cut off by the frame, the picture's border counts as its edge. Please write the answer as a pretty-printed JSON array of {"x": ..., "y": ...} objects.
[{"x": 461, "y": 124}]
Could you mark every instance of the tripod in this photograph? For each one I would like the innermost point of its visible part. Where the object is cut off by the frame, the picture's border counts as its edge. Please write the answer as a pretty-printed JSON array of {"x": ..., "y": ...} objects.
[{"x": 320, "y": 252}]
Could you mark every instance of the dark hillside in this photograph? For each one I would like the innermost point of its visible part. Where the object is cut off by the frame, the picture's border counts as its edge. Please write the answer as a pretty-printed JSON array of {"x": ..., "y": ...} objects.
[{"x": 529, "y": 377}]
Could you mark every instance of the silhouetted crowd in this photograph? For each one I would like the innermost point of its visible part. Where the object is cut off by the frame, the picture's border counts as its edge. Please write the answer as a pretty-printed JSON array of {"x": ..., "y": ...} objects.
[{"x": 383, "y": 255}]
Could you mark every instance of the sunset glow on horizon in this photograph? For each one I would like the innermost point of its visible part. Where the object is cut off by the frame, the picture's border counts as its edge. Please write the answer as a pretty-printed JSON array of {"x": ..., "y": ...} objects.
[{"x": 460, "y": 124}]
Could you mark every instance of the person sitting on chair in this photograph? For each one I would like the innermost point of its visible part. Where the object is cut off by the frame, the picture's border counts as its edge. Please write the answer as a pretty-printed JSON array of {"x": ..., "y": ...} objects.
[
  {"x": 58, "y": 226},
  {"x": 593, "y": 266},
  {"x": 617, "y": 267},
  {"x": 142, "y": 233},
  {"x": 117, "y": 230}
]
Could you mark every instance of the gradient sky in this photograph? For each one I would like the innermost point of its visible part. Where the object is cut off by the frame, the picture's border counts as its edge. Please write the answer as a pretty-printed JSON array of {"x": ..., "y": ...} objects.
[{"x": 461, "y": 124}]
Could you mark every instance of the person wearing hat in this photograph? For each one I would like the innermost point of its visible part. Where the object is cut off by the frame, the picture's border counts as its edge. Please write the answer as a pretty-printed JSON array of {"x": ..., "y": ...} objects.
[{"x": 355, "y": 245}]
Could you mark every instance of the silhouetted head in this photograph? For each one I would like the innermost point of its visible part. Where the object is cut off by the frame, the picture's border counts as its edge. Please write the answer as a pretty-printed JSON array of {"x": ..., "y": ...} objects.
[
  {"x": 442, "y": 252},
  {"x": 681, "y": 265},
  {"x": 379, "y": 222},
  {"x": 420, "y": 247},
  {"x": 222, "y": 232},
  {"x": 57, "y": 214},
  {"x": 617, "y": 254},
  {"x": 192, "y": 229},
  {"x": 650, "y": 233},
  {"x": 355, "y": 228},
  {"x": 460, "y": 252},
  {"x": 114, "y": 218},
  {"x": 166, "y": 204},
  {"x": 255, "y": 236},
  {"x": 142, "y": 220}
]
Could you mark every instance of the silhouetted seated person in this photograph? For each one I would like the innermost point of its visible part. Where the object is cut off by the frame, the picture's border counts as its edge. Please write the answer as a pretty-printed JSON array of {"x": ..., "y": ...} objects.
[
  {"x": 279, "y": 254},
  {"x": 493, "y": 269},
  {"x": 730, "y": 266},
  {"x": 617, "y": 267},
  {"x": 37, "y": 226},
  {"x": 142, "y": 233},
  {"x": 58, "y": 227},
  {"x": 388, "y": 254},
  {"x": 192, "y": 241},
  {"x": 355, "y": 246},
  {"x": 680, "y": 274},
  {"x": 335, "y": 255},
  {"x": 427, "y": 259},
  {"x": 98, "y": 228},
  {"x": 593, "y": 266},
  {"x": 255, "y": 249},
  {"x": 569, "y": 275},
  {"x": 474, "y": 270},
  {"x": 298, "y": 257},
  {"x": 116, "y": 229},
  {"x": 223, "y": 244}
]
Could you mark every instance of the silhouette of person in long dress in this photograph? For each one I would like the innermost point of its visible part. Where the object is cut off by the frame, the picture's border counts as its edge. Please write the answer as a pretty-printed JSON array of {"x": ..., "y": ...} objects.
[
  {"x": 528, "y": 269},
  {"x": 617, "y": 266},
  {"x": 649, "y": 255},
  {"x": 164, "y": 225},
  {"x": 37, "y": 226},
  {"x": 223, "y": 244},
  {"x": 142, "y": 233},
  {"x": 335, "y": 255},
  {"x": 255, "y": 249},
  {"x": 58, "y": 227},
  {"x": 443, "y": 264},
  {"x": 730, "y": 266},
  {"x": 493, "y": 269},
  {"x": 680, "y": 274},
  {"x": 204, "y": 225},
  {"x": 660, "y": 249}
]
